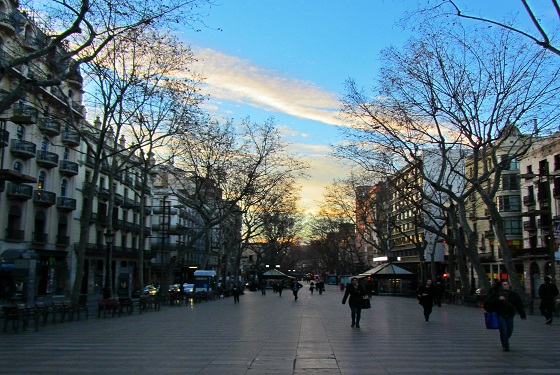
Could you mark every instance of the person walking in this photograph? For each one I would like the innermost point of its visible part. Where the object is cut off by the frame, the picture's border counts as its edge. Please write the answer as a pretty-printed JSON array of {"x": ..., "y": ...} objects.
[
  {"x": 354, "y": 294},
  {"x": 295, "y": 289},
  {"x": 548, "y": 293},
  {"x": 425, "y": 295},
  {"x": 505, "y": 303},
  {"x": 235, "y": 293},
  {"x": 320, "y": 285},
  {"x": 311, "y": 287},
  {"x": 262, "y": 286},
  {"x": 281, "y": 288}
]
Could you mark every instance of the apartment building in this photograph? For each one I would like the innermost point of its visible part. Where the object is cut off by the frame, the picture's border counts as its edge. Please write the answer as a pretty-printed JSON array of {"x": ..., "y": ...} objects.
[
  {"x": 45, "y": 169},
  {"x": 540, "y": 189}
]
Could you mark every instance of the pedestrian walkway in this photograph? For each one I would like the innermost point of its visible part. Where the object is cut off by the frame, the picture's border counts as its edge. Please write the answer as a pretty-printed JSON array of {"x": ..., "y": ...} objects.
[{"x": 268, "y": 334}]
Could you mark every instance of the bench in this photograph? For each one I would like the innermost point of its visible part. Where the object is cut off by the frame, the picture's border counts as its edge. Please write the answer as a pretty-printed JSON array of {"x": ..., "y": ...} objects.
[
  {"x": 108, "y": 304},
  {"x": 149, "y": 302},
  {"x": 20, "y": 313},
  {"x": 128, "y": 304}
]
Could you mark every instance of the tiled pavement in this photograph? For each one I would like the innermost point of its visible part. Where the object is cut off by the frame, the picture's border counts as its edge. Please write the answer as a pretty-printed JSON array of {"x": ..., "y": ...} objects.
[{"x": 277, "y": 335}]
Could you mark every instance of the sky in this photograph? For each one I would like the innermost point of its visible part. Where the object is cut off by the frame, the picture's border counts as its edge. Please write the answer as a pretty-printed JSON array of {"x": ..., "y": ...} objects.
[{"x": 289, "y": 60}]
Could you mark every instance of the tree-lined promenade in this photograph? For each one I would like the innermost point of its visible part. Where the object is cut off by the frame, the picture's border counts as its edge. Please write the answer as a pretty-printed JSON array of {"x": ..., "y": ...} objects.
[{"x": 277, "y": 335}]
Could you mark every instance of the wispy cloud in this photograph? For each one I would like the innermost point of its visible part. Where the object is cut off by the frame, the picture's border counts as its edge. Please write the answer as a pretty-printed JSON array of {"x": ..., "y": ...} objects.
[{"x": 235, "y": 79}]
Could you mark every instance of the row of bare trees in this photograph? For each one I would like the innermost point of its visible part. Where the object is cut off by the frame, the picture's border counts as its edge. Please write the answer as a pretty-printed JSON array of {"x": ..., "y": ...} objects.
[
  {"x": 146, "y": 102},
  {"x": 455, "y": 92}
]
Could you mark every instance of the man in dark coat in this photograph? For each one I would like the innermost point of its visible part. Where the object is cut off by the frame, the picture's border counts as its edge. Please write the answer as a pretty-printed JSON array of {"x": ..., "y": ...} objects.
[
  {"x": 505, "y": 302},
  {"x": 548, "y": 293},
  {"x": 425, "y": 295},
  {"x": 356, "y": 292}
]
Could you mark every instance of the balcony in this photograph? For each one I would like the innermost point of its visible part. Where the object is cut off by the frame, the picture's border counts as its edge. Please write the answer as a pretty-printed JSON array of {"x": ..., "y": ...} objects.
[
  {"x": 489, "y": 234},
  {"x": 49, "y": 126},
  {"x": 62, "y": 240},
  {"x": 543, "y": 223},
  {"x": 16, "y": 177},
  {"x": 24, "y": 114},
  {"x": 47, "y": 159},
  {"x": 103, "y": 194},
  {"x": 68, "y": 168},
  {"x": 70, "y": 138},
  {"x": 75, "y": 79},
  {"x": 529, "y": 226},
  {"x": 129, "y": 181},
  {"x": 14, "y": 234},
  {"x": 23, "y": 149},
  {"x": 7, "y": 23},
  {"x": 44, "y": 198},
  {"x": 119, "y": 199},
  {"x": 529, "y": 200},
  {"x": 65, "y": 204},
  {"x": 19, "y": 192},
  {"x": 4, "y": 138},
  {"x": 128, "y": 203},
  {"x": 40, "y": 238}
]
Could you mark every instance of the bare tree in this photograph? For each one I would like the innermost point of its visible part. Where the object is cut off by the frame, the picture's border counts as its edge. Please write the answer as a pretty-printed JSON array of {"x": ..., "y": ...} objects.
[
  {"x": 220, "y": 169},
  {"x": 456, "y": 94},
  {"x": 541, "y": 35},
  {"x": 66, "y": 34},
  {"x": 130, "y": 86}
]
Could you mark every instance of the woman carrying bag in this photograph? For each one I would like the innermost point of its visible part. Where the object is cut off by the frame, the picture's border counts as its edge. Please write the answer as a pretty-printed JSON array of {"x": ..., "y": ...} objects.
[{"x": 355, "y": 294}]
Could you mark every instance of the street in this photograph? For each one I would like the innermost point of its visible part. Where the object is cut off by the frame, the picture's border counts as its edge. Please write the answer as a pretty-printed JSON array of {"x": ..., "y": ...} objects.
[{"x": 278, "y": 335}]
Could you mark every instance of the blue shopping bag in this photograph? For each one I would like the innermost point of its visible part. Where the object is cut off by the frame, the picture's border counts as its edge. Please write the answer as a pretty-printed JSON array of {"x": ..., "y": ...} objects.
[{"x": 491, "y": 319}]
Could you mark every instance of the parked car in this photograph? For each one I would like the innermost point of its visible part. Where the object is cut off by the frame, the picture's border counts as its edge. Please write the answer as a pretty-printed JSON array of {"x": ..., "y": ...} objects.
[
  {"x": 150, "y": 290},
  {"x": 174, "y": 289}
]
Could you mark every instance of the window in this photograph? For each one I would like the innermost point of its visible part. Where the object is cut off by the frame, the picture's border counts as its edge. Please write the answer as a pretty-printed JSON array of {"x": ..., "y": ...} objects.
[
  {"x": 42, "y": 180},
  {"x": 20, "y": 133},
  {"x": 509, "y": 203},
  {"x": 44, "y": 144},
  {"x": 66, "y": 154},
  {"x": 18, "y": 167},
  {"x": 510, "y": 182},
  {"x": 63, "y": 187},
  {"x": 557, "y": 162},
  {"x": 513, "y": 225}
]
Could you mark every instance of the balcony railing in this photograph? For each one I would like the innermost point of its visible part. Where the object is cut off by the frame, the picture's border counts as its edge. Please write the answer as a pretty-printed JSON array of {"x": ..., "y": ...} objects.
[
  {"x": 24, "y": 114},
  {"x": 529, "y": 200},
  {"x": 44, "y": 198},
  {"x": 70, "y": 138},
  {"x": 14, "y": 234},
  {"x": 41, "y": 238},
  {"x": 49, "y": 126},
  {"x": 62, "y": 240},
  {"x": 19, "y": 191},
  {"x": 23, "y": 149},
  {"x": 47, "y": 159},
  {"x": 65, "y": 204},
  {"x": 68, "y": 168}
]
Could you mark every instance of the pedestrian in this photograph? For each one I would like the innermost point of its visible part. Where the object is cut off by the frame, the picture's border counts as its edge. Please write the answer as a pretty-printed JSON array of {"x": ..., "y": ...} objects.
[
  {"x": 548, "y": 293},
  {"x": 311, "y": 288},
  {"x": 505, "y": 303},
  {"x": 342, "y": 286},
  {"x": 281, "y": 288},
  {"x": 262, "y": 285},
  {"x": 354, "y": 294},
  {"x": 295, "y": 289},
  {"x": 425, "y": 295},
  {"x": 320, "y": 286},
  {"x": 235, "y": 293}
]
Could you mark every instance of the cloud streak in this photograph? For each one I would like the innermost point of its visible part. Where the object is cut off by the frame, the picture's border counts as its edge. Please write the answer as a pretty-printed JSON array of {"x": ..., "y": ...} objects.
[{"x": 235, "y": 79}]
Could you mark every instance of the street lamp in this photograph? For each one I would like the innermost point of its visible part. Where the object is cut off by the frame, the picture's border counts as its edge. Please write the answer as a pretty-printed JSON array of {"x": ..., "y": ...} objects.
[{"x": 107, "y": 290}]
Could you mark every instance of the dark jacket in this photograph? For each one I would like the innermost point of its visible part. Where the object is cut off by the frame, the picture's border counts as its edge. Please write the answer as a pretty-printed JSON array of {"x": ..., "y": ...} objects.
[
  {"x": 506, "y": 308},
  {"x": 547, "y": 292},
  {"x": 427, "y": 300},
  {"x": 356, "y": 294}
]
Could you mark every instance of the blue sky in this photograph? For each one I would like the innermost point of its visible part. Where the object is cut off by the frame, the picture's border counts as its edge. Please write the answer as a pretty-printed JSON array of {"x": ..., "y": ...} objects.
[{"x": 289, "y": 59}]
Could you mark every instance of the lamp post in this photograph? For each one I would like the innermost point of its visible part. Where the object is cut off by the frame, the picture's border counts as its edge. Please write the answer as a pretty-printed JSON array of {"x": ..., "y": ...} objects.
[{"x": 107, "y": 289}]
